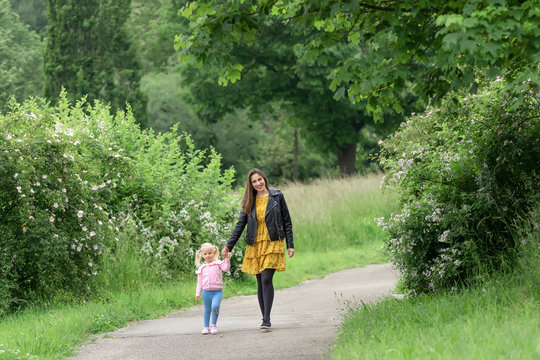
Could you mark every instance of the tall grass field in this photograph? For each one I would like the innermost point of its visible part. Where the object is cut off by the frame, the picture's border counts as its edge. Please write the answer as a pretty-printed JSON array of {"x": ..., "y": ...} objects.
[
  {"x": 338, "y": 214},
  {"x": 333, "y": 227}
]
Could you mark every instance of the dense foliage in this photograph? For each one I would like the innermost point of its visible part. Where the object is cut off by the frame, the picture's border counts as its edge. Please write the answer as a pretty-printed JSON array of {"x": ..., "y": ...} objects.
[
  {"x": 21, "y": 59},
  {"x": 467, "y": 172},
  {"x": 89, "y": 53},
  {"x": 33, "y": 13},
  {"x": 437, "y": 46},
  {"x": 243, "y": 141},
  {"x": 274, "y": 71},
  {"x": 75, "y": 180}
]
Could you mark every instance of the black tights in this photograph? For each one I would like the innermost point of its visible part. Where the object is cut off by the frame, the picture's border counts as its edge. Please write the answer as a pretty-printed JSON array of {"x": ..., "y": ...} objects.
[{"x": 265, "y": 292}]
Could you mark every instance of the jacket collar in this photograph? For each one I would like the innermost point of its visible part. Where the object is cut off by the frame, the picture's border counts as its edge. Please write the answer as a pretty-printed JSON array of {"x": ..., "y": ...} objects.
[{"x": 273, "y": 192}]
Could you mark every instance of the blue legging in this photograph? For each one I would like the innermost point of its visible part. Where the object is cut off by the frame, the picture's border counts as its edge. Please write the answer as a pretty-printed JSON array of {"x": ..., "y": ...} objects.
[{"x": 212, "y": 300}]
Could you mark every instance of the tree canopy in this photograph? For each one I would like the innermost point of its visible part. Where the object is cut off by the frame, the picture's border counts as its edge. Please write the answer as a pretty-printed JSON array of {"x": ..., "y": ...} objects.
[
  {"x": 33, "y": 13},
  {"x": 277, "y": 73},
  {"x": 89, "y": 53},
  {"x": 301, "y": 90},
  {"x": 433, "y": 46},
  {"x": 21, "y": 58}
]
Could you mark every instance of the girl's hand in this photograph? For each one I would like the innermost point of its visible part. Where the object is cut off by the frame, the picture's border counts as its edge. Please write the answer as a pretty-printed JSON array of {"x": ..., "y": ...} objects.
[
  {"x": 196, "y": 299},
  {"x": 291, "y": 252},
  {"x": 225, "y": 252}
]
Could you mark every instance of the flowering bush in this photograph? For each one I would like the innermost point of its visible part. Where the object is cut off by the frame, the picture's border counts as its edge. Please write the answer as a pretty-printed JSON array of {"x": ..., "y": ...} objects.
[
  {"x": 188, "y": 204},
  {"x": 466, "y": 171},
  {"x": 53, "y": 225},
  {"x": 72, "y": 177}
]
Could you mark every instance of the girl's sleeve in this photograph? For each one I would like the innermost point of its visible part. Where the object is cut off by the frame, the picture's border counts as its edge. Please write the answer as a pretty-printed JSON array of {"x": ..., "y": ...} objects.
[
  {"x": 199, "y": 282},
  {"x": 225, "y": 265}
]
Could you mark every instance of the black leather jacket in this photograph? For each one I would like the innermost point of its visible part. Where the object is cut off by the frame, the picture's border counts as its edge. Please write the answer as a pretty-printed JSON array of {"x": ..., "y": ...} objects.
[{"x": 277, "y": 219}]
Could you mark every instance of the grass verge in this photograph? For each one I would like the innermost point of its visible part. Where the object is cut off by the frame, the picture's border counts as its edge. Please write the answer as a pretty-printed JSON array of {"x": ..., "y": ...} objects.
[{"x": 496, "y": 319}]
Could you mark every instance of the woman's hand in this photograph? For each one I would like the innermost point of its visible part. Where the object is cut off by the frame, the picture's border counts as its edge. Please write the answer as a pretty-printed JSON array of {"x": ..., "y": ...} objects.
[
  {"x": 291, "y": 252},
  {"x": 196, "y": 298},
  {"x": 225, "y": 252}
]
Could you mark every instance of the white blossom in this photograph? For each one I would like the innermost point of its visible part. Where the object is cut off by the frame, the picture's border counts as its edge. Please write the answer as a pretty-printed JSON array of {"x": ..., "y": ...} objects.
[{"x": 444, "y": 236}]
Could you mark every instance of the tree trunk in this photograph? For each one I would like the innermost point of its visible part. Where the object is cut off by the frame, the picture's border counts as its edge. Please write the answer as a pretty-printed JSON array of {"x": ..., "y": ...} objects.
[{"x": 347, "y": 159}]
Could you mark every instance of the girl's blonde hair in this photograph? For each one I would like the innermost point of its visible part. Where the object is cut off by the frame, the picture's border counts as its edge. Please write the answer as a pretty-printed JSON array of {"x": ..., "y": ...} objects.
[{"x": 198, "y": 254}]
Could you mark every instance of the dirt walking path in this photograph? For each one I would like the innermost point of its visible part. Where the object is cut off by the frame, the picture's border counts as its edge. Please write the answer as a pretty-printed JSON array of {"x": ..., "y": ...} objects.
[{"x": 304, "y": 323}]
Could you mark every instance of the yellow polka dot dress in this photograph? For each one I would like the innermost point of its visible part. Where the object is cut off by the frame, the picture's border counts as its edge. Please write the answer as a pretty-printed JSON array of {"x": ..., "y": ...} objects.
[{"x": 264, "y": 254}]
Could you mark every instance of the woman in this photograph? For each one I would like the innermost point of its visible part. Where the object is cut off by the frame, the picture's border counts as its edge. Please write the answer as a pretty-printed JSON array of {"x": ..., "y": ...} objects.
[{"x": 265, "y": 212}]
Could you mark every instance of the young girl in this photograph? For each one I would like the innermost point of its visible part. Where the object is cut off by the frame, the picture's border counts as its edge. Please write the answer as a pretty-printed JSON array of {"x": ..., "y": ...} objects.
[{"x": 210, "y": 281}]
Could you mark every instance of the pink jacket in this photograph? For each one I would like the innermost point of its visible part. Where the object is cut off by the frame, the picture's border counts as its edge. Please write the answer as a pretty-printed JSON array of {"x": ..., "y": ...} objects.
[{"x": 209, "y": 275}]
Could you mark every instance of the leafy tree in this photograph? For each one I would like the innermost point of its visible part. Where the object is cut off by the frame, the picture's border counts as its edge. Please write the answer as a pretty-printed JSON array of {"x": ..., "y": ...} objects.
[
  {"x": 89, "y": 53},
  {"x": 156, "y": 23},
  {"x": 167, "y": 108},
  {"x": 21, "y": 54},
  {"x": 165, "y": 103},
  {"x": 241, "y": 138},
  {"x": 289, "y": 156},
  {"x": 277, "y": 74},
  {"x": 437, "y": 46},
  {"x": 33, "y": 13}
]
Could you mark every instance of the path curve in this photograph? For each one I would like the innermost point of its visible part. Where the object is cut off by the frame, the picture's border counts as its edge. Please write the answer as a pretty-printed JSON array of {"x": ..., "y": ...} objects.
[{"x": 304, "y": 323}]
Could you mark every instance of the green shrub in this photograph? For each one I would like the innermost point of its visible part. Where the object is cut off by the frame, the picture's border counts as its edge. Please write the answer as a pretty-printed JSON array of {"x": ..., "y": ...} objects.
[
  {"x": 74, "y": 179},
  {"x": 466, "y": 171},
  {"x": 53, "y": 225}
]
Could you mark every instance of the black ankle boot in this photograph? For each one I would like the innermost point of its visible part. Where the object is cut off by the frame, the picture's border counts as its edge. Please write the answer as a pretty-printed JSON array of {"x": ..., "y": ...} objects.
[{"x": 265, "y": 325}]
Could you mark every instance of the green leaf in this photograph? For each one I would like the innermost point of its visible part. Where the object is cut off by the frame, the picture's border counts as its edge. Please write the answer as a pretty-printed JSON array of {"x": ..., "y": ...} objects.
[
  {"x": 318, "y": 24},
  {"x": 468, "y": 46},
  {"x": 188, "y": 10},
  {"x": 329, "y": 26},
  {"x": 339, "y": 94},
  {"x": 354, "y": 37}
]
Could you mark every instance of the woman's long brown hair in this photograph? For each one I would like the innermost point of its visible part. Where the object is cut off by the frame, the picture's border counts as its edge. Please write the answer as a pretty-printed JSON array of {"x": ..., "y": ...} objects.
[{"x": 250, "y": 193}]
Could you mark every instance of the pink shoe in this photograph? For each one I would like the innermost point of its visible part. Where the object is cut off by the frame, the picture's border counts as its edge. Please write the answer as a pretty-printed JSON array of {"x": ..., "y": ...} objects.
[
  {"x": 213, "y": 331},
  {"x": 205, "y": 331}
]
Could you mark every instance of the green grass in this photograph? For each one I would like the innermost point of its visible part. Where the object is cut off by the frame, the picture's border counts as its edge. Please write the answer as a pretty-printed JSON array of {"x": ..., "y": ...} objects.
[
  {"x": 51, "y": 332},
  {"x": 334, "y": 230},
  {"x": 497, "y": 319},
  {"x": 307, "y": 266}
]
